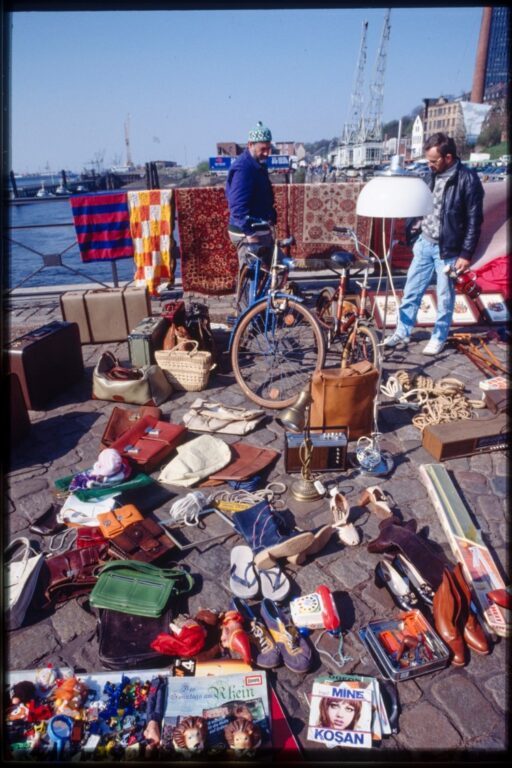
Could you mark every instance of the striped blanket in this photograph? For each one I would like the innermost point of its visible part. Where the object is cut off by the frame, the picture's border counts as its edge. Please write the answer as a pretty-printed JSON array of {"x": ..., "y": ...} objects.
[
  {"x": 102, "y": 225},
  {"x": 152, "y": 223}
]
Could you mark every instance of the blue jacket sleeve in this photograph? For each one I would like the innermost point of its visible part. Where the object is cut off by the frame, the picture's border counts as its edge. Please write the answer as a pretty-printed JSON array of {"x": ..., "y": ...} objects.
[{"x": 239, "y": 192}]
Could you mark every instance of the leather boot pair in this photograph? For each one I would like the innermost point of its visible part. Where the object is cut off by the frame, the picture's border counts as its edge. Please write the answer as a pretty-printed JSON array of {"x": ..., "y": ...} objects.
[{"x": 454, "y": 621}]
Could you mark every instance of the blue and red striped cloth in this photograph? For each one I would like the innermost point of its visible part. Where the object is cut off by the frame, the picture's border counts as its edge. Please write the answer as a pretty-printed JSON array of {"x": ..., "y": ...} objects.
[{"x": 102, "y": 223}]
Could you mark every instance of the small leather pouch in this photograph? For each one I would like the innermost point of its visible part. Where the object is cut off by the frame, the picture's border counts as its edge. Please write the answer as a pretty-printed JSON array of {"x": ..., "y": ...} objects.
[
  {"x": 88, "y": 536},
  {"x": 247, "y": 460},
  {"x": 122, "y": 419},
  {"x": 149, "y": 442},
  {"x": 114, "y": 522},
  {"x": 72, "y": 573},
  {"x": 145, "y": 541}
]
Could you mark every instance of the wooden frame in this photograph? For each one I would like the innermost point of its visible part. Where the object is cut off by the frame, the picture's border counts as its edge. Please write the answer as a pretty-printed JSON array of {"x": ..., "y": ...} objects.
[
  {"x": 493, "y": 307},
  {"x": 464, "y": 311},
  {"x": 426, "y": 315}
]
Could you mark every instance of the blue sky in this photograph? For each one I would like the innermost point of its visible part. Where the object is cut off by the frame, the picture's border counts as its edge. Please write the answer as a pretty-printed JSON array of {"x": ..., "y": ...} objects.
[{"x": 188, "y": 79}]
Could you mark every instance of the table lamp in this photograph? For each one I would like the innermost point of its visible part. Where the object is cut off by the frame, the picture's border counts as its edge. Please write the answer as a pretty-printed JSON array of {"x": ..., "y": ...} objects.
[{"x": 296, "y": 419}]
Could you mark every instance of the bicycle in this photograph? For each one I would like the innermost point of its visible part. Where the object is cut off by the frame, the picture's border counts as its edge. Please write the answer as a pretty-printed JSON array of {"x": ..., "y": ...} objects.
[
  {"x": 343, "y": 320},
  {"x": 276, "y": 343}
]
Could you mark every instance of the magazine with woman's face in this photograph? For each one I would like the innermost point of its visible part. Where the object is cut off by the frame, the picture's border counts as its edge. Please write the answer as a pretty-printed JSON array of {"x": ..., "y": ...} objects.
[{"x": 341, "y": 713}]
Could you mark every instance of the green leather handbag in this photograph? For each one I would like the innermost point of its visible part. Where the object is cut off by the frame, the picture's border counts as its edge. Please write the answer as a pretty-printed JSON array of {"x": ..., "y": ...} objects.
[{"x": 142, "y": 589}]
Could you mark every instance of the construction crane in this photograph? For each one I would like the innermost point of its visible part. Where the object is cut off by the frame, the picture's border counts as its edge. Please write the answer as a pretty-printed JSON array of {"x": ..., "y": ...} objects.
[
  {"x": 352, "y": 127},
  {"x": 371, "y": 126},
  {"x": 129, "y": 162}
]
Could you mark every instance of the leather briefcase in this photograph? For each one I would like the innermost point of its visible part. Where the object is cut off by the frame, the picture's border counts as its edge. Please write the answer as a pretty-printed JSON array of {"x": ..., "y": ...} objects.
[
  {"x": 246, "y": 460},
  {"x": 145, "y": 541},
  {"x": 345, "y": 396},
  {"x": 72, "y": 573},
  {"x": 149, "y": 442}
]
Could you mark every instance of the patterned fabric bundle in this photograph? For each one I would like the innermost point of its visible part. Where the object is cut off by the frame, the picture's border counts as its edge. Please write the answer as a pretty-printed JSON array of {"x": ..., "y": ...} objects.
[
  {"x": 102, "y": 226},
  {"x": 152, "y": 223}
]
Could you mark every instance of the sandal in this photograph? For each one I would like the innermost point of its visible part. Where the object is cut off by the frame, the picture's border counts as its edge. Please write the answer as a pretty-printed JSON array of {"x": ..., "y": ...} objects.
[
  {"x": 274, "y": 583},
  {"x": 243, "y": 581},
  {"x": 376, "y": 499},
  {"x": 347, "y": 532}
]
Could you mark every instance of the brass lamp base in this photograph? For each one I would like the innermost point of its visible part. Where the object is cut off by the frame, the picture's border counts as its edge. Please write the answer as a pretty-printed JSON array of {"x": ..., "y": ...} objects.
[{"x": 304, "y": 490}]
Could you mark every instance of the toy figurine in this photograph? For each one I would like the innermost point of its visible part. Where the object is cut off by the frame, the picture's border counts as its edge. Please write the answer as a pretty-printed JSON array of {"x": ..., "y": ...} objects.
[
  {"x": 233, "y": 637},
  {"x": 69, "y": 697},
  {"x": 242, "y": 735},
  {"x": 189, "y": 736}
]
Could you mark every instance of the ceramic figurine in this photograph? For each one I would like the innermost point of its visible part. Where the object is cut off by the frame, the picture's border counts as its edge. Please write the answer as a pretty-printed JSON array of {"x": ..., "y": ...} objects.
[
  {"x": 189, "y": 736},
  {"x": 242, "y": 735}
]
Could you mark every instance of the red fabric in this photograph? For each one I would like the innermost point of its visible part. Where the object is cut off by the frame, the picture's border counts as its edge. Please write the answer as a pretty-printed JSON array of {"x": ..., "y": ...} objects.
[
  {"x": 495, "y": 276},
  {"x": 209, "y": 263},
  {"x": 314, "y": 209},
  {"x": 187, "y": 643},
  {"x": 401, "y": 255}
]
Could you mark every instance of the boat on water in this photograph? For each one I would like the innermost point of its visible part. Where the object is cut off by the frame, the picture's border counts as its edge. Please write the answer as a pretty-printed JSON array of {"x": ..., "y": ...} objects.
[
  {"x": 62, "y": 190},
  {"x": 43, "y": 192}
]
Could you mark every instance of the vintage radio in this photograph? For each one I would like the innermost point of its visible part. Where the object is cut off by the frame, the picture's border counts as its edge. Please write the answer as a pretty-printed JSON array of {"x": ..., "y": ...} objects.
[
  {"x": 329, "y": 449},
  {"x": 466, "y": 438}
]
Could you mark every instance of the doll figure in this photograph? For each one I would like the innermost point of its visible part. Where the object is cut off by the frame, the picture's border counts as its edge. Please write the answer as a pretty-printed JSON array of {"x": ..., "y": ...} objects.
[
  {"x": 189, "y": 736},
  {"x": 69, "y": 697}
]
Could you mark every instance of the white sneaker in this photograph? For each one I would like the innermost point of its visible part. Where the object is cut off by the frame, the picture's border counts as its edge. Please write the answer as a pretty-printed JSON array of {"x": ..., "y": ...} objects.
[
  {"x": 395, "y": 340},
  {"x": 434, "y": 347}
]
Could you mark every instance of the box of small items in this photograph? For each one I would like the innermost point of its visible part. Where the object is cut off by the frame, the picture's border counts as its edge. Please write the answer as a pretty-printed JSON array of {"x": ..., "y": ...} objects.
[{"x": 406, "y": 646}]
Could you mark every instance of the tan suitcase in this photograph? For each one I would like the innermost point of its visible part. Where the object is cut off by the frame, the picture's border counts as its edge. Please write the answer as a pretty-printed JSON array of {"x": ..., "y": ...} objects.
[{"x": 106, "y": 314}]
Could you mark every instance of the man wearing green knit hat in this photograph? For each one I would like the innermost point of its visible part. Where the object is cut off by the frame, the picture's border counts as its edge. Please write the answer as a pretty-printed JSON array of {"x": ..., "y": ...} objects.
[{"x": 249, "y": 193}]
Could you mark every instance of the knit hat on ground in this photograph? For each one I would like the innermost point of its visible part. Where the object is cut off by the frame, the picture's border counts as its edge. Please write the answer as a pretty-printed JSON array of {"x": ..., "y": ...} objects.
[{"x": 260, "y": 133}]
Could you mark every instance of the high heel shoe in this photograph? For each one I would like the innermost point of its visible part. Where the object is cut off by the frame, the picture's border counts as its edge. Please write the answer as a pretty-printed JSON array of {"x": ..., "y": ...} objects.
[
  {"x": 387, "y": 576},
  {"x": 347, "y": 532},
  {"x": 376, "y": 500},
  {"x": 419, "y": 584}
]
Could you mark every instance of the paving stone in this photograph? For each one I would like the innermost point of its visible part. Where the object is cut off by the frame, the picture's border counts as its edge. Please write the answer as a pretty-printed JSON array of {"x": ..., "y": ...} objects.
[
  {"x": 32, "y": 645},
  {"x": 424, "y": 727},
  {"x": 499, "y": 686},
  {"x": 69, "y": 622},
  {"x": 349, "y": 573},
  {"x": 481, "y": 463},
  {"x": 476, "y": 717},
  {"x": 472, "y": 482},
  {"x": 27, "y": 488},
  {"x": 499, "y": 485},
  {"x": 488, "y": 508}
]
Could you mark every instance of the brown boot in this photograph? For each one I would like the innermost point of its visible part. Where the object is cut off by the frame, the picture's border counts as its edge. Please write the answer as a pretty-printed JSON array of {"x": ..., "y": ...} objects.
[
  {"x": 446, "y": 609},
  {"x": 473, "y": 633}
]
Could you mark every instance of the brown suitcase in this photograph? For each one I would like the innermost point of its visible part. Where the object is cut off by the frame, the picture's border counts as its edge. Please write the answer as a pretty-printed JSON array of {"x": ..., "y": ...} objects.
[
  {"x": 47, "y": 361},
  {"x": 17, "y": 417},
  {"x": 106, "y": 314}
]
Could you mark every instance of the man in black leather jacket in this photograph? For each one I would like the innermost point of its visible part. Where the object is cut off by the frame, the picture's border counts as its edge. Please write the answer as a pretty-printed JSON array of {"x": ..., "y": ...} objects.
[{"x": 448, "y": 239}]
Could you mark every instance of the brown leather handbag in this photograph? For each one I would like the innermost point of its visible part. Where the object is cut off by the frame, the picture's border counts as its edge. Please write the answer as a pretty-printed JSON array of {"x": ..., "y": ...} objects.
[
  {"x": 345, "y": 396},
  {"x": 145, "y": 540},
  {"x": 72, "y": 573}
]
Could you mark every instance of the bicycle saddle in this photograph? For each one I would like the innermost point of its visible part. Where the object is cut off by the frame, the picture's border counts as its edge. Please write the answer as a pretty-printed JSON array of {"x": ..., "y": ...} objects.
[{"x": 342, "y": 258}]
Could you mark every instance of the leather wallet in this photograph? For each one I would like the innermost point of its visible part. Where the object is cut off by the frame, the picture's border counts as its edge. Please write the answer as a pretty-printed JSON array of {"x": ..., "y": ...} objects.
[
  {"x": 145, "y": 541},
  {"x": 114, "y": 522},
  {"x": 247, "y": 460},
  {"x": 149, "y": 442},
  {"x": 121, "y": 419}
]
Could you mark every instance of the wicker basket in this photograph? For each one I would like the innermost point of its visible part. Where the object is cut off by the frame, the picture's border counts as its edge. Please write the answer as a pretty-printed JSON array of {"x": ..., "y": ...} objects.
[{"x": 186, "y": 368}]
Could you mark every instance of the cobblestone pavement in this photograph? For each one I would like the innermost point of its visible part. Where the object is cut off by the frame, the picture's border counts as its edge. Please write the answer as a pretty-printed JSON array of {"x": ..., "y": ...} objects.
[{"x": 452, "y": 715}]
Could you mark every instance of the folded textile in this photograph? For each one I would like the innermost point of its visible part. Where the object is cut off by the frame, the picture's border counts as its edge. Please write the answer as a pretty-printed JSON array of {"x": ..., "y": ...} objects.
[
  {"x": 102, "y": 225},
  {"x": 206, "y": 416},
  {"x": 151, "y": 226},
  {"x": 196, "y": 459}
]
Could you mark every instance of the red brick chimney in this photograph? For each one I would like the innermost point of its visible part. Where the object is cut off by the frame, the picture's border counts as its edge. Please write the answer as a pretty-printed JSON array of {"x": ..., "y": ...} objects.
[{"x": 477, "y": 91}]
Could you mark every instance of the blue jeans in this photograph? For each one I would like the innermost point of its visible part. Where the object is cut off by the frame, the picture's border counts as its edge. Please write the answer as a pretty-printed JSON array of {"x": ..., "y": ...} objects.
[{"x": 427, "y": 260}]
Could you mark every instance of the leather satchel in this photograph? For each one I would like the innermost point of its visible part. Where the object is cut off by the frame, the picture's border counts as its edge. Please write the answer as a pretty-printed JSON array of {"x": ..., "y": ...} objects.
[
  {"x": 149, "y": 442},
  {"x": 247, "y": 460},
  {"x": 140, "y": 386},
  {"x": 114, "y": 522},
  {"x": 144, "y": 541},
  {"x": 345, "y": 396},
  {"x": 72, "y": 573},
  {"x": 121, "y": 419}
]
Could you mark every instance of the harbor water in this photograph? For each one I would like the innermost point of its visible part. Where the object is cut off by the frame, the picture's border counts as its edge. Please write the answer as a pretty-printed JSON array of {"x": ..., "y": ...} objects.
[{"x": 25, "y": 248}]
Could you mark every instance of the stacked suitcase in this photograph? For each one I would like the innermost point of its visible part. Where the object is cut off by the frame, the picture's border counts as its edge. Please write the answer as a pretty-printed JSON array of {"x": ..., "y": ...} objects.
[{"x": 105, "y": 315}]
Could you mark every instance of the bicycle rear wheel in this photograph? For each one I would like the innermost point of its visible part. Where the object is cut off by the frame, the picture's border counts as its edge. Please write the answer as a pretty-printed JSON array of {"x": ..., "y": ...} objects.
[
  {"x": 275, "y": 351},
  {"x": 361, "y": 344}
]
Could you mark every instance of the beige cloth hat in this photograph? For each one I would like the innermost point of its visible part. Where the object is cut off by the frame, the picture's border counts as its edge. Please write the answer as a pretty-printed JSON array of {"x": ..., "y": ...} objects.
[{"x": 196, "y": 459}]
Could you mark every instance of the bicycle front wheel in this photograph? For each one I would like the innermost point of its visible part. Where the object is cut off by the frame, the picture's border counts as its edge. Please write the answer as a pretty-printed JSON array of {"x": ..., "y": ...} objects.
[
  {"x": 275, "y": 351},
  {"x": 361, "y": 344}
]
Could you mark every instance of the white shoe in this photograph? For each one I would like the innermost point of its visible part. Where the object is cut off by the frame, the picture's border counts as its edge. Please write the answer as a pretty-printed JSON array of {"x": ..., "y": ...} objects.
[
  {"x": 347, "y": 532},
  {"x": 395, "y": 340},
  {"x": 434, "y": 347}
]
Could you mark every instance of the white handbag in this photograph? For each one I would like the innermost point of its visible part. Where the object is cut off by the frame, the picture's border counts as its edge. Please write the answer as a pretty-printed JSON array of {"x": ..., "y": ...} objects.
[
  {"x": 21, "y": 577},
  {"x": 217, "y": 418}
]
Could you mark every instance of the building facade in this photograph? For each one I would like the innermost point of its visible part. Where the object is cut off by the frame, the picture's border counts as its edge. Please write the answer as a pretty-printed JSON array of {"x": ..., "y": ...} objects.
[{"x": 496, "y": 67}]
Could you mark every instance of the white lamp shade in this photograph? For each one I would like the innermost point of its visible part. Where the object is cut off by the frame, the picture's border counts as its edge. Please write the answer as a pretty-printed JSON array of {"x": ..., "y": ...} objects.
[{"x": 394, "y": 197}]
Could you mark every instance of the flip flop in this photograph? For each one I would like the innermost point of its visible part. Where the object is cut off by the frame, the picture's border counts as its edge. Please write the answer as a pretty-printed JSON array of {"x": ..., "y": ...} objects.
[
  {"x": 243, "y": 581},
  {"x": 274, "y": 583}
]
